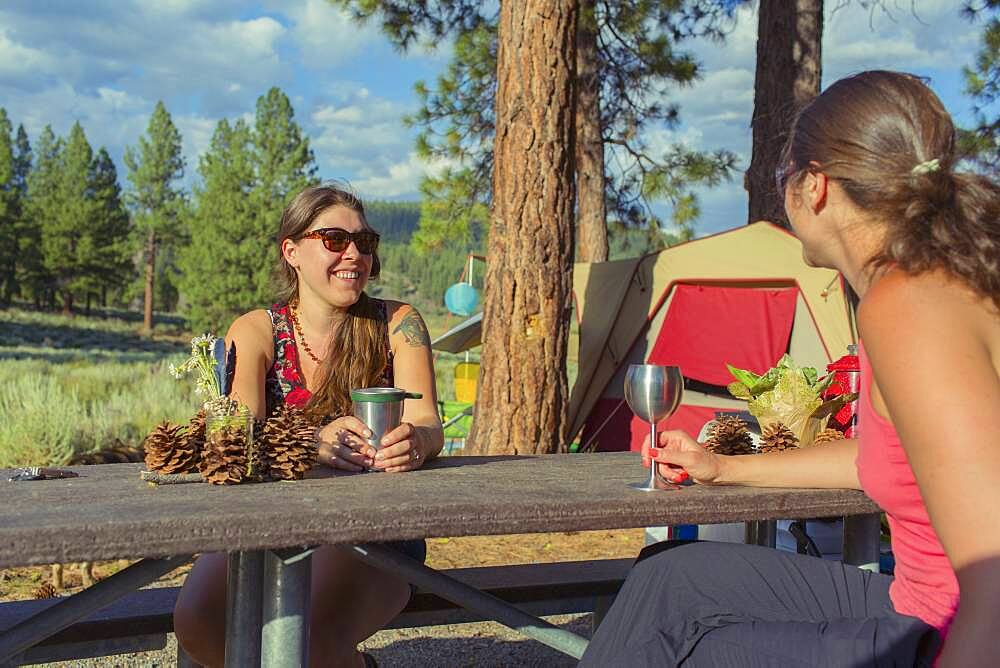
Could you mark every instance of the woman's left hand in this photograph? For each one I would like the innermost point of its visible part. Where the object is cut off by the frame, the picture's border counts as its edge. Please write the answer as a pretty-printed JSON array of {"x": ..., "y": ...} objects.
[{"x": 400, "y": 450}]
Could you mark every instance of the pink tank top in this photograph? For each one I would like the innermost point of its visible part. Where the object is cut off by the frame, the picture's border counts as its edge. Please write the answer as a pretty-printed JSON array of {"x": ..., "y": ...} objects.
[{"x": 925, "y": 585}]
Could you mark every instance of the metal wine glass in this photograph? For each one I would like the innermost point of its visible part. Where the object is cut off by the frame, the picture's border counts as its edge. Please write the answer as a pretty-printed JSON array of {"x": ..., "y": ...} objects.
[{"x": 653, "y": 393}]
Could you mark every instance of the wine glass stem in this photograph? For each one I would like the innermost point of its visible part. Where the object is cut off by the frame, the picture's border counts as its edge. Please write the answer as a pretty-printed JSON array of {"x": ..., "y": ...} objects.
[{"x": 652, "y": 460}]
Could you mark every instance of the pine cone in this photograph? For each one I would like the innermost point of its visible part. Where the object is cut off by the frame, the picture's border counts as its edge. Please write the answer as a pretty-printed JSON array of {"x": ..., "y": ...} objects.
[
  {"x": 827, "y": 435},
  {"x": 730, "y": 436},
  {"x": 163, "y": 449},
  {"x": 224, "y": 460},
  {"x": 196, "y": 430},
  {"x": 46, "y": 590},
  {"x": 776, "y": 437},
  {"x": 288, "y": 445},
  {"x": 190, "y": 445}
]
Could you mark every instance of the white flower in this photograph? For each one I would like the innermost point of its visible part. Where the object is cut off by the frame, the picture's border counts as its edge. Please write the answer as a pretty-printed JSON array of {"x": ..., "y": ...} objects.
[
  {"x": 202, "y": 363},
  {"x": 200, "y": 345}
]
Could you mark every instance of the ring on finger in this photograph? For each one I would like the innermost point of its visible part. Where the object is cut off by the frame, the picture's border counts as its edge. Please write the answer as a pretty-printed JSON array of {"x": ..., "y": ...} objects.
[{"x": 414, "y": 455}]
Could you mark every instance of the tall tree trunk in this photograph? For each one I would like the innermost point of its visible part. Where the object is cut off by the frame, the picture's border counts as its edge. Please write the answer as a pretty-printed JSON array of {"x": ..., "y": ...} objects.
[
  {"x": 523, "y": 391},
  {"x": 67, "y": 307},
  {"x": 591, "y": 214},
  {"x": 147, "y": 310},
  {"x": 789, "y": 70}
]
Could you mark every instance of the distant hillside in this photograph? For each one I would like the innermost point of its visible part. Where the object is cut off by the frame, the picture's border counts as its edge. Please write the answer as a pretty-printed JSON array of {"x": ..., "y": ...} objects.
[{"x": 395, "y": 221}]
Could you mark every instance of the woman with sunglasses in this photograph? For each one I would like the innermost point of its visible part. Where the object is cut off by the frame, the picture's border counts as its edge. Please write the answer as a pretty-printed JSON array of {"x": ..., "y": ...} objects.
[
  {"x": 871, "y": 190},
  {"x": 324, "y": 337}
]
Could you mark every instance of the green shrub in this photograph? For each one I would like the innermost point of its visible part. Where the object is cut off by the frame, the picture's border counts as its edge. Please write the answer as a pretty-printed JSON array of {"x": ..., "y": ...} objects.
[{"x": 51, "y": 411}]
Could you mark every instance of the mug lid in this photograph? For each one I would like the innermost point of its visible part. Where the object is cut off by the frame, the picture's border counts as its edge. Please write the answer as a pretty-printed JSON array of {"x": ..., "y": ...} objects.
[{"x": 382, "y": 394}]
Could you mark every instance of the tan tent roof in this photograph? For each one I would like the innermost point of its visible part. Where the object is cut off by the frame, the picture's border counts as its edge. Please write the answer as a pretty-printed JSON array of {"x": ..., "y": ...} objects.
[{"x": 617, "y": 301}]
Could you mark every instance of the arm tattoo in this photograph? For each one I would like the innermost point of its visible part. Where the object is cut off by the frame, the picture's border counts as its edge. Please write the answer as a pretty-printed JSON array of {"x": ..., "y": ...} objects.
[{"x": 414, "y": 330}]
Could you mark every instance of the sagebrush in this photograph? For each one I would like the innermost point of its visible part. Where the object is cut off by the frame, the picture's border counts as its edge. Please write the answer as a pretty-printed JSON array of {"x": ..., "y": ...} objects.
[{"x": 50, "y": 411}]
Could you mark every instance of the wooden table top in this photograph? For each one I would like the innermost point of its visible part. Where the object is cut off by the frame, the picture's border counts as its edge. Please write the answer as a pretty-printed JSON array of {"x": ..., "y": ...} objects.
[{"x": 109, "y": 512}]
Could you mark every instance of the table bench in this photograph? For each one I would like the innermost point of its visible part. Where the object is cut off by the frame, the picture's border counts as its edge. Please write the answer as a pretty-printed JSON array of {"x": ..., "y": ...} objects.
[{"x": 140, "y": 621}]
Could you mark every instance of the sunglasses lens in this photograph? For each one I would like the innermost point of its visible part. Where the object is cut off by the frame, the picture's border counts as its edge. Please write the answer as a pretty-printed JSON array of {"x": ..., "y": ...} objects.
[
  {"x": 366, "y": 242},
  {"x": 336, "y": 240}
]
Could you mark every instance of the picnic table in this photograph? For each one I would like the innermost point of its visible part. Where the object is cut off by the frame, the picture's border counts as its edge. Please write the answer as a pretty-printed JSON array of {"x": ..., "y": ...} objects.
[{"x": 270, "y": 530}]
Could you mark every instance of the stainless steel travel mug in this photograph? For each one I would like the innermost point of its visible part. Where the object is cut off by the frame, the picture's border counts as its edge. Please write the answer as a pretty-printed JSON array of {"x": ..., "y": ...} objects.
[{"x": 381, "y": 409}]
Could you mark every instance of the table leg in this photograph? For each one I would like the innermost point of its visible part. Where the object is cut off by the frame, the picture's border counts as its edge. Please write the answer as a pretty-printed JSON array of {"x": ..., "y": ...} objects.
[
  {"x": 762, "y": 532},
  {"x": 861, "y": 541},
  {"x": 470, "y": 598},
  {"x": 243, "y": 609},
  {"x": 288, "y": 580}
]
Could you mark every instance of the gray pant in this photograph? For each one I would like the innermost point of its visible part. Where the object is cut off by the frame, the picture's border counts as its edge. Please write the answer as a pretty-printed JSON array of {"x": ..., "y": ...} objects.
[{"x": 724, "y": 604}]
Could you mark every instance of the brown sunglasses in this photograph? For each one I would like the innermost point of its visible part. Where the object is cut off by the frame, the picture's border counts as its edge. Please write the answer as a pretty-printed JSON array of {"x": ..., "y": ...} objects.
[{"x": 337, "y": 240}]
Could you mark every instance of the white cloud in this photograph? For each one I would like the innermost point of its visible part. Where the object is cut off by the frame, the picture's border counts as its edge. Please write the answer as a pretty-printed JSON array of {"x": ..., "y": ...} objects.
[
  {"x": 19, "y": 60},
  {"x": 325, "y": 35},
  {"x": 363, "y": 134},
  {"x": 933, "y": 35},
  {"x": 402, "y": 178}
]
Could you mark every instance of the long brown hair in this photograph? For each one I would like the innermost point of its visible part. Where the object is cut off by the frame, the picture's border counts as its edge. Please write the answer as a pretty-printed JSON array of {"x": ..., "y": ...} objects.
[
  {"x": 358, "y": 352},
  {"x": 887, "y": 139}
]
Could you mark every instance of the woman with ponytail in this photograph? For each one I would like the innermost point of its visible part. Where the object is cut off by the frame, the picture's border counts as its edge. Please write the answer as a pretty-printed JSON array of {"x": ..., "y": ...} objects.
[
  {"x": 324, "y": 337},
  {"x": 871, "y": 188}
]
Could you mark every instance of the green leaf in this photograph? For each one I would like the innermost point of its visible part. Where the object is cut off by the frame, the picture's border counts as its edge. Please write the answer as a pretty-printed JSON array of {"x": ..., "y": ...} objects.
[
  {"x": 766, "y": 382},
  {"x": 748, "y": 378}
]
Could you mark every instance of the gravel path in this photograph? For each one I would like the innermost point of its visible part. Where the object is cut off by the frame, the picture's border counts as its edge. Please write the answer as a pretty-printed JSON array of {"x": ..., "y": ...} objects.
[{"x": 484, "y": 645}]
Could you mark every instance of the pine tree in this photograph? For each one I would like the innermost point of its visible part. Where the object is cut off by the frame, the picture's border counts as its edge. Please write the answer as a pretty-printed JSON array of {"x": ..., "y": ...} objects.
[
  {"x": 284, "y": 165},
  {"x": 982, "y": 82},
  {"x": 28, "y": 253},
  {"x": 452, "y": 213},
  {"x": 628, "y": 52},
  {"x": 154, "y": 197},
  {"x": 66, "y": 242},
  {"x": 109, "y": 263},
  {"x": 788, "y": 75},
  {"x": 219, "y": 265},
  {"x": 41, "y": 204},
  {"x": 22, "y": 160},
  {"x": 395, "y": 221},
  {"x": 9, "y": 212},
  {"x": 529, "y": 276}
]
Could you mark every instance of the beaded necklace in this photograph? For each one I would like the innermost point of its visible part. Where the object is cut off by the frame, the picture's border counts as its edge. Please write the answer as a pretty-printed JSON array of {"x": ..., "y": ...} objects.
[{"x": 298, "y": 330}]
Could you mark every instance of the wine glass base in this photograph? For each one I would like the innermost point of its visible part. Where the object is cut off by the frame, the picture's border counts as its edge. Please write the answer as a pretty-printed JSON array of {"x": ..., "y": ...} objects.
[{"x": 644, "y": 487}]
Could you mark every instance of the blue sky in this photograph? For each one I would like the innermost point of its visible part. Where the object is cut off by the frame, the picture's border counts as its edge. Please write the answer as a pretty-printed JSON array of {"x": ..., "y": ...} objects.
[{"x": 107, "y": 62}]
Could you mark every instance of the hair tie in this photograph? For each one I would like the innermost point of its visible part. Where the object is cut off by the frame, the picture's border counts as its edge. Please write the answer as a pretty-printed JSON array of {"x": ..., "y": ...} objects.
[{"x": 926, "y": 167}]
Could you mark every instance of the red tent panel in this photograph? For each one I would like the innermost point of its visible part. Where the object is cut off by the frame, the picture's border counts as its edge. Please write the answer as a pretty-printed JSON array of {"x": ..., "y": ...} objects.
[
  {"x": 704, "y": 328},
  {"x": 707, "y": 327}
]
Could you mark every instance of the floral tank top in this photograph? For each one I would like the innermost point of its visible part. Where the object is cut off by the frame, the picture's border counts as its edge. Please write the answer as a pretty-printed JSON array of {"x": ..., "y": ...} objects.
[{"x": 284, "y": 382}]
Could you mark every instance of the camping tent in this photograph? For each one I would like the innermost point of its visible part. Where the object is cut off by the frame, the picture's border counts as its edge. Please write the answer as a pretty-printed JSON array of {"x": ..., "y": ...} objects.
[{"x": 744, "y": 296}]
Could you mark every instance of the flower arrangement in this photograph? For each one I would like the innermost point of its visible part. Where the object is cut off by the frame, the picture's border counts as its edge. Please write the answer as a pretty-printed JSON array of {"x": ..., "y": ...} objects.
[
  {"x": 787, "y": 395},
  {"x": 213, "y": 367}
]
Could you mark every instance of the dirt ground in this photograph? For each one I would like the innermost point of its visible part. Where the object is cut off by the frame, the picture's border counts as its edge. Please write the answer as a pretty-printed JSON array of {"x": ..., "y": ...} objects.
[{"x": 21, "y": 583}]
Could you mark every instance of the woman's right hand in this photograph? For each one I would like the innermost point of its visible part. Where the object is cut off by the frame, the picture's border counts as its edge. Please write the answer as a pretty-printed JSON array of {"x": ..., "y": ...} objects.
[
  {"x": 342, "y": 445},
  {"x": 680, "y": 456}
]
